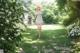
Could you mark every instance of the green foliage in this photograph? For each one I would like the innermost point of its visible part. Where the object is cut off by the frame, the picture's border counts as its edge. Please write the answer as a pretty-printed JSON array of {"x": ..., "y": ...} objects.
[
  {"x": 10, "y": 16},
  {"x": 74, "y": 17},
  {"x": 71, "y": 8},
  {"x": 47, "y": 18},
  {"x": 50, "y": 15},
  {"x": 61, "y": 4}
]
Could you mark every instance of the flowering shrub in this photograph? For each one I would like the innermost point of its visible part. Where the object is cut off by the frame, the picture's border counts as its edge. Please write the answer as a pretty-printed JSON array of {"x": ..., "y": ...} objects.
[
  {"x": 11, "y": 14},
  {"x": 74, "y": 34},
  {"x": 74, "y": 31}
]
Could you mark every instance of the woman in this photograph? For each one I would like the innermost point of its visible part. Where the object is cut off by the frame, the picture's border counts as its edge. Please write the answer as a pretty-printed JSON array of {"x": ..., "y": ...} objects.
[{"x": 39, "y": 20}]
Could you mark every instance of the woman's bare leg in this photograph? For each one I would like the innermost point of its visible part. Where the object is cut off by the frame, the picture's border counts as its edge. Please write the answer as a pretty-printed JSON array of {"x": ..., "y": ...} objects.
[{"x": 39, "y": 30}]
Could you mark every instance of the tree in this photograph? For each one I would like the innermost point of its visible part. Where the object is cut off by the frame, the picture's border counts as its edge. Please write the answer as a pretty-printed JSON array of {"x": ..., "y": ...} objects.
[
  {"x": 10, "y": 15},
  {"x": 73, "y": 7}
]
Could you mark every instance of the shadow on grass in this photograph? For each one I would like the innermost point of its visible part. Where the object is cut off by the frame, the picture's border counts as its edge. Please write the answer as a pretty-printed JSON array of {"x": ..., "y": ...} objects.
[{"x": 49, "y": 40}]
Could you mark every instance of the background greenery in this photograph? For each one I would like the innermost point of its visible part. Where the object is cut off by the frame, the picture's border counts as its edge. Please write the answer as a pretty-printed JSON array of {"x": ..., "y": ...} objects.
[{"x": 64, "y": 12}]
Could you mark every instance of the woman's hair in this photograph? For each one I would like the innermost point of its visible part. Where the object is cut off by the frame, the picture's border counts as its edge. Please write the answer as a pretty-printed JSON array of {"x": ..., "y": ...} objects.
[{"x": 38, "y": 8}]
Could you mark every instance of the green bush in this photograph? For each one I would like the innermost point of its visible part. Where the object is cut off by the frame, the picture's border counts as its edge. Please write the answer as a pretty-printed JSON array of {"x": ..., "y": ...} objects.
[
  {"x": 10, "y": 16},
  {"x": 49, "y": 17}
]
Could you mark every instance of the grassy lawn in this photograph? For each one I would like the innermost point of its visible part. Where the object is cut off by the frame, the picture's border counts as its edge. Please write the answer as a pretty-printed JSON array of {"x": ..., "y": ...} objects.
[{"x": 52, "y": 40}]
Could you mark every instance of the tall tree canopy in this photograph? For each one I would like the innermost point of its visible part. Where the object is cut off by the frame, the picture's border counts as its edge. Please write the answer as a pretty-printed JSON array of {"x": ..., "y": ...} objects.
[{"x": 72, "y": 7}]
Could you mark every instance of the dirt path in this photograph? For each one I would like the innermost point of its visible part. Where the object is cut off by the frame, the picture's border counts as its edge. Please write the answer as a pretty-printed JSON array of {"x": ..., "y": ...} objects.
[{"x": 47, "y": 27}]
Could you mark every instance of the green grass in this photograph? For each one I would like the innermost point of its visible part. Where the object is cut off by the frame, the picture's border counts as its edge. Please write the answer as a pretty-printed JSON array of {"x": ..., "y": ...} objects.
[{"x": 50, "y": 39}]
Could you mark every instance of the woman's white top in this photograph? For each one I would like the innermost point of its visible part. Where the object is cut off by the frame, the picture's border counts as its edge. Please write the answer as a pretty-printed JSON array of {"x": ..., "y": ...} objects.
[{"x": 39, "y": 19}]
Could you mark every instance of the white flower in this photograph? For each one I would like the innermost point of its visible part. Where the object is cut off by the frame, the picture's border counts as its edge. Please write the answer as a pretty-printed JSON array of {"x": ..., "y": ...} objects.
[{"x": 74, "y": 30}]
